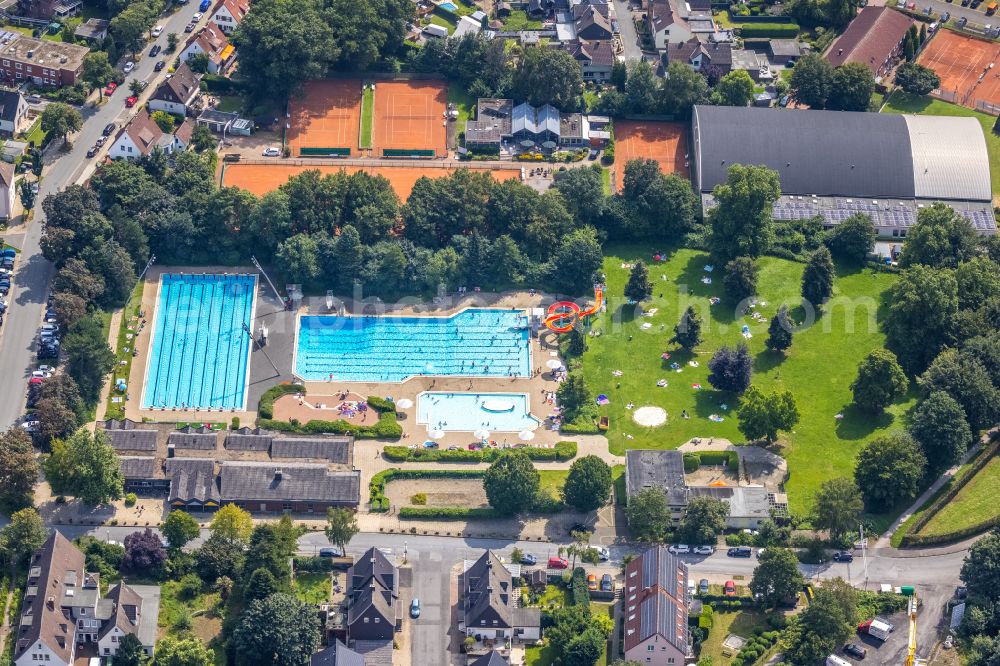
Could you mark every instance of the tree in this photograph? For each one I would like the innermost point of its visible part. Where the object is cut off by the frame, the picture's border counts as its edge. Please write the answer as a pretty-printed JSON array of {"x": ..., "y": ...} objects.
[
  {"x": 648, "y": 514},
  {"x": 639, "y": 287},
  {"x": 981, "y": 568},
  {"x": 889, "y": 470},
  {"x": 261, "y": 584},
  {"x": 220, "y": 556},
  {"x": 172, "y": 651},
  {"x": 916, "y": 79},
  {"x": 573, "y": 395},
  {"x": 18, "y": 468},
  {"x": 966, "y": 379},
  {"x": 26, "y": 192},
  {"x": 730, "y": 369},
  {"x": 277, "y": 631},
  {"x": 941, "y": 238},
  {"x": 548, "y": 76},
  {"x": 143, "y": 552},
  {"x": 940, "y": 426},
  {"x": 166, "y": 122},
  {"x": 687, "y": 332},
  {"x": 86, "y": 467},
  {"x": 172, "y": 40},
  {"x": 852, "y": 87},
  {"x": 681, "y": 89},
  {"x": 69, "y": 309},
  {"x": 734, "y": 89},
  {"x": 60, "y": 119},
  {"x": 23, "y": 535},
  {"x": 576, "y": 262},
  {"x": 762, "y": 415},
  {"x": 922, "y": 306},
  {"x": 776, "y": 577},
  {"x": 837, "y": 506},
  {"x": 741, "y": 224},
  {"x": 55, "y": 419},
  {"x": 641, "y": 88},
  {"x": 583, "y": 193},
  {"x": 584, "y": 649},
  {"x": 879, "y": 382},
  {"x": 511, "y": 483},
  {"x": 232, "y": 522},
  {"x": 88, "y": 357},
  {"x": 779, "y": 331},
  {"x": 202, "y": 139},
  {"x": 817, "y": 278},
  {"x": 587, "y": 484},
  {"x": 812, "y": 81},
  {"x": 97, "y": 72},
  {"x": 704, "y": 520},
  {"x": 341, "y": 526},
  {"x": 853, "y": 239},
  {"x": 823, "y": 626},
  {"x": 179, "y": 528},
  {"x": 299, "y": 257},
  {"x": 740, "y": 280},
  {"x": 130, "y": 652},
  {"x": 978, "y": 282}
]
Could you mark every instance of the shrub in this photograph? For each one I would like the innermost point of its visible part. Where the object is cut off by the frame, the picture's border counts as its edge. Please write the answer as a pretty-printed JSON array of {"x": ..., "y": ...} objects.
[
  {"x": 769, "y": 30},
  {"x": 563, "y": 451},
  {"x": 385, "y": 428},
  {"x": 189, "y": 586},
  {"x": 578, "y": 593},
  {"x": 546, "y": 503},
  {"x": 446, "y": 513},
  {"x": 419, "y": 498},
  {"x": 312, "y": 564},
  {"x": 265, "y": 407},
  {"x": 691, "y": 462},
  {"x": 131, "y": 499},
  {"x": 235, "y": 425}
]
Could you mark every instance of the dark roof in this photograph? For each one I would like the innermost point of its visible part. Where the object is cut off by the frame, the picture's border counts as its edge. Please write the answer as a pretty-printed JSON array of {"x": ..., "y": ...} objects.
[
  {"x": 376, "y": 653},
  {"x": 374, "y": 564},
  {"x": 180, "y": 87},
  {"x": 335, "y": 450},
  {"x": 9, "y": 102},
  {"x": 337, "y": 654},
  {"x": 591, "y": 22},
  {"x": 48, "y": 577},
  {"x": 596, "y": 53},
  {"x": 488, "y": 593},
  {"x": 241, "y": 481},
  {"x": 132, "y": 440},
  {"x": 192, "y": 480},
  {"x": 250, "y": 441},
  {"x": 192, "y": 439},
  {"x": 715, "y": 53},
  {"x": 656, "y": 468},
  {"x": 870, "y": 38},
  {"x": 137, "y": 467},
  {"x": 127, "y": 606},
  {"x": 869, "y": 155},
  {"x": 785, "y": 47},
  {"x": 494, "y": 658}
]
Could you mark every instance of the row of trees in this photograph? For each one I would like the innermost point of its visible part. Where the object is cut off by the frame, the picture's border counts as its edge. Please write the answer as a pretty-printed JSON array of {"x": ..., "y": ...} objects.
[
  {"x": 512, "y": 484},
  {"x": 816, "y": 83}
]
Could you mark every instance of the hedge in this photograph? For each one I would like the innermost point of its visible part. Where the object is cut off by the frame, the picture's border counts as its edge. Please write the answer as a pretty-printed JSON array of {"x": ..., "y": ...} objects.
[
  {"x": 692, "y": 461},
  {"x": 721, "y": 598},
  {"x": 563, "y": 451},
  {"x": 772, "y": 30},
  {"x": 219, "y": 84},
  {"x": 445, "y": 513},
  {"x": 265, "y": 407},
  {"x": 386, "y": 427},
  {"x": 376, "y": 487},
  {"x": 579, "y": 595},
  {"x": 312, "y": 564}
]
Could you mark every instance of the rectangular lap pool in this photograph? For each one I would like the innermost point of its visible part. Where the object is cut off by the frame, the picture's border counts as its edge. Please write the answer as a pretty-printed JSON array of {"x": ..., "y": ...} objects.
[
  {"x": 200, "y": 351},
  {"x": 496, "y": 412},
  {"x": 472, "y": 343}
]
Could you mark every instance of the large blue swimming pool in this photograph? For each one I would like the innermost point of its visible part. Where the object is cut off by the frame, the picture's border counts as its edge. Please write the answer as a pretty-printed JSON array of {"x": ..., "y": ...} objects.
[
  {"x": 200, "y": 351},
  {"x": 474, "y": 343}
]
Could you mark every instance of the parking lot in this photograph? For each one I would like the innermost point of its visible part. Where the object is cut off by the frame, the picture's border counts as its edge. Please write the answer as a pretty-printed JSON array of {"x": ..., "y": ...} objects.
[{"x": 977, "y": 17}]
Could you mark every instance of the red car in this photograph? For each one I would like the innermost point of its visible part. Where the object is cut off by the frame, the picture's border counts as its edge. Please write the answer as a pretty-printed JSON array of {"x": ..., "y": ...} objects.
[
  {"x": 130, "y": 102},
  {"x": 112, "y": 87},
  {"x": 729, "y": 589},
  {"x": 558, "y": 563}
]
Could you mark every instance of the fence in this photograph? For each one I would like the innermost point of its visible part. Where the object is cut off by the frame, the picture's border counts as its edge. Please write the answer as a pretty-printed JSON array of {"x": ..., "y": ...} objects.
[
  {"x": 987, "y": 107},
  {"x": 946, "y": 95}
]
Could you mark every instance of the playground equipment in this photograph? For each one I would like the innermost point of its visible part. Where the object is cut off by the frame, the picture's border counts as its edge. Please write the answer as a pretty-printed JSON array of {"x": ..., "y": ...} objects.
[{"x": 563, "y": 315}]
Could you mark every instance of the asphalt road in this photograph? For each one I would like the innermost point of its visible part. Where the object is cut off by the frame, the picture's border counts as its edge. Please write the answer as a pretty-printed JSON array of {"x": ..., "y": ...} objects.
[
  {"x": 32, "y": 272},
  {"x": 629, "y": 37}
]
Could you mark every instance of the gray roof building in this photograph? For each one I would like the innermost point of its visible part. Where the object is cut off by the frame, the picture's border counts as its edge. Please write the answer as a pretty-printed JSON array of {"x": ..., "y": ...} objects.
[
  {"x": 528, "y": 119},
  {"x": 132, "y": 440},
  {"x": 487, "y": 597},
  {"x": 335, "y": 450},
  {"x": 868, "y": 155},
  {"x": 337, "y": 654},
  {"x": 253, "y": 481},
  {"x": 492, "y": 658},
  {"x": 192, "y": 482},
  {"x": 656, "y": 468},
  {"x": 373, "y": 594},
  {"x": 137, "y": 467},
  {"x": 196, "y": 439},
  {"x": 248, "y": 440}
]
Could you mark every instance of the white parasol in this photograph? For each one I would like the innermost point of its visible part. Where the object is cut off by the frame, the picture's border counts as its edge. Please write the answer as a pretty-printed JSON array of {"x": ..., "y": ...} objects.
[
  {"x": 405, "y": 403},
  {"x": 526, "y": 435},
  {"x": 553, "y": 364},
  {"x": 482, "y": 433},
  {"x": 435, "y": 434}
]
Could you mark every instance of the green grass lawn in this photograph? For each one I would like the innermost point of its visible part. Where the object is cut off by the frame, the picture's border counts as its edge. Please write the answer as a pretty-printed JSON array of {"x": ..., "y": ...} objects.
[
  {"x": 742, "y": 623},
  {"x": 973, "y": 504},
  {"x": 35, "y": 135},
  {"x": 313, "y": 588},
  {"x": 230, "y": 104},
  {"x": 464, "y": 104},
  {"x": 518, "y": 20},
  {"x": 818, "y": 368},
  {"x": 606, "y": 181},
  {"x": 553, "y": 480},
  {"x": 367, "y": 115},
  {"x": 901, "y": 102},
  {"x": 618, "y": 484},
  {"x": 116, "y": 410},
  {"x": 442, "y": 21},
  {"x": 173, "y": 606}
]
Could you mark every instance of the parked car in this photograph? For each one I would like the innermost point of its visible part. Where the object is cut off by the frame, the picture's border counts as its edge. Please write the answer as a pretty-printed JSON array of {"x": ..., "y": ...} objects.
[
  {"x": 46, "y": 368},
  {"x": 111, "y": 88},
  {"x": 30, "y": 425},
  {"x": 130, "y": 102},
  {"x": 855, "y": 650},
  {"x": 607, "y": 584},
  {"x": 739, "y": 551},
  {"x": 155, "y": 51},
  {"x": 157, "y": 31},
  {"x": 272, "y": 152},
  {"x": 703, "y": 550},
  {"x": 109, "y": 129},
  {"x": 415, "y": 608},
  {"x": 91, "y": 151},
  {"x": 196, "y": 17},
  {"x": 729, "y": 589},
  {"x": 843, "y": 556},
  {"x": 41, "y": 374},
  {"x": 8, "y": 252},
  {"x": 603, "y": 553},
  {"x": 189, "y": 27},
  {"x": 330, "y": 552},
  {"x": 128, "y": 66},
  {"x": 528, "y": 558},
  {"x": 680, "y": 549},
  {"x": 961, "y": 592},
  {"x": 592, "y": 582},
  {"x": 100, "y": 141},
  {"x": 558, "y": 563},
  {"x": 160, "y": 64},
  {"x": 703, "y": 586},
  {"x": 580, "y": 527},
  {"x": 760, "y": 551}
]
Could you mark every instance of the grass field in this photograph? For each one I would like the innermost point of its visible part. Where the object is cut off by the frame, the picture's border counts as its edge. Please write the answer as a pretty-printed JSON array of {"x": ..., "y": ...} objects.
[
  {"x": 553, "y": 480},
  {"x": 313, "y": 588},
  {"x": 901, "y": 102},
  {"x": 367, "y": 116},
  {"x": 742, "y": 623},
  {"x": 116, "y": 410},
  {"x": 518, "y": 20},
  {"x": 464, "y": 104},
  {"x": 818, "y": 368},
  {"x": 973, "y": 504}
]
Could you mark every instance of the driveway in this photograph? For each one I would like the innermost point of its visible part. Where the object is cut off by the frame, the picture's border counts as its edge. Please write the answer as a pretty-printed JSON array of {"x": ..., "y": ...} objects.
[{"x": 629, "y": 36}]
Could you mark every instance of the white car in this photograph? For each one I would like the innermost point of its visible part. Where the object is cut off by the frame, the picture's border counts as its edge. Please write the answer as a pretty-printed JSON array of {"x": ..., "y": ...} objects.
[
  {"x": 603, "y": 553},
  {"x": 680, "y": 549},
  {"x": 46, "y": 368},
  {"x": 271, "y": 152},
  {"x": 157, "y": 31},
  {"x": 128, "y": 66},
  {"x": 197, "y": 15},
  {"x": 41, "y": 374},
  {"x": 30, "y": 426},
  {"x": 703, "y": 550}
]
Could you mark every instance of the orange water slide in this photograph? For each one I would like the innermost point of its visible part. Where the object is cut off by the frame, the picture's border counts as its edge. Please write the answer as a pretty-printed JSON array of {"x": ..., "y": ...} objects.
[{"x": 563, "y": 315}]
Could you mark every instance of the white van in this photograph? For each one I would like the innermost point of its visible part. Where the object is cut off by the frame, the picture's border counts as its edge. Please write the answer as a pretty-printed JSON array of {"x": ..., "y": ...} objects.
[{"x": 834, "y": 660}]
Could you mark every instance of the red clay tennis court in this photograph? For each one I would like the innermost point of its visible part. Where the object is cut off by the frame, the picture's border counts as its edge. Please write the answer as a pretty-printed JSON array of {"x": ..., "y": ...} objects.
[
  {"x": 662, "y": 141},
  {"x": 409, "y": 116},
  {"x": 964, "y": 65},
  {"x": 263, "y": 178},
  {"x": 326, "y": 116}
]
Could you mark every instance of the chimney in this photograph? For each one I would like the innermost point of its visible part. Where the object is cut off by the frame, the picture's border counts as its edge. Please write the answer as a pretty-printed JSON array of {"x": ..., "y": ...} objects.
[
  {"x": 51, "y": 603},
  {"x": 840, "y": 51},
  {"x": 277, "y": 475}
]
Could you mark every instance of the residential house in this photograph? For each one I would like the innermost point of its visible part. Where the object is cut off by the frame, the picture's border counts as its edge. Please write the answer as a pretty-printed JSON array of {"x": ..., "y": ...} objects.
[
  {"x": 785, "y": 52},
  {"x": 177, "y": 94},
  {"x": 874, "y": 38},
  {"x": 373, "y": 612},
  {"x": 63, "y": 608},
  {"x": 13, "y": 111},
  {"x": 467, "y": 26},
  {"x": 656, "y": 609},
  {"x": 596, "y": 58},
  {"x": 46, "y": 9},
  {"x": 753, "y": 63},
  {"x": 93, "y": 30},
  {"x": 229, "y": 14},
  {"x": 711, "y": 58},
  {"x": 7, "y": 194},
  {"x": 487, "y": 607},
  {"x": 277, "y": 487},
  {"x": 211, "y": 41},
  {"x": 337, "y": 654},
  {"x": 139, "y": 138},
  {"x": 491, "y": 658},
  {"x": 44, "y": 63},
  {"x": 666, "y": 24},
  {"x": 592, "y": 22},
  {"x": 539, "y": 8}
]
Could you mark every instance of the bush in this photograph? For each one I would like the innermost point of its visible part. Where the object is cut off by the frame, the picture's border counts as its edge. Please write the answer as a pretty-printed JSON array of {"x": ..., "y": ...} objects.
[
  {"x": 563, "y": 451},
  {"x": 446, "y": 513},
  {"x": 235, "y": 425},
  {"x": 131, "y": 499},
  {"x": 578, "y": 593},
  {"x": 691, "y": 462},
  {"x": 419, "y": 498},
  {"x": 312, "y": 564},
  {"x": 265, "y": 407},
  {"x": 385, "y": 428},
  {"x": 189, "y": 586},
  {"x": 546, "y": 503},
  {"x": 219, "y": 84}
]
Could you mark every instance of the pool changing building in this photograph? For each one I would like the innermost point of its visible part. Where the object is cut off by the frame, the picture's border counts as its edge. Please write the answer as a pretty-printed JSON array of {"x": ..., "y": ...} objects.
[{"x": 834, "y": 164}]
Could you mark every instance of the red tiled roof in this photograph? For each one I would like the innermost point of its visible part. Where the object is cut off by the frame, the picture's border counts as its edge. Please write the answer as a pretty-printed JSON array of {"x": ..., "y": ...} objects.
[{"x": 870, "y": 38}]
